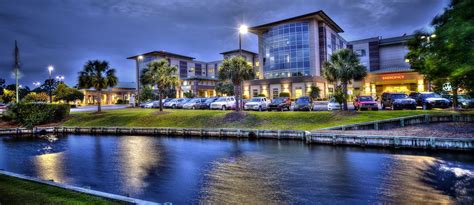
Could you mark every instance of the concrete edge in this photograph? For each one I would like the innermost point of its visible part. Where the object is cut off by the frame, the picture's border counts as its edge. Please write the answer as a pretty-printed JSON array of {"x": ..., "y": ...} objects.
[{"x": 79, "y": 189}]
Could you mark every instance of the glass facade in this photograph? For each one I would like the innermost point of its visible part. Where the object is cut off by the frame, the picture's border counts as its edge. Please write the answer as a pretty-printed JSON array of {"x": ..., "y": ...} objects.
[{"x": 286, "y": 50}]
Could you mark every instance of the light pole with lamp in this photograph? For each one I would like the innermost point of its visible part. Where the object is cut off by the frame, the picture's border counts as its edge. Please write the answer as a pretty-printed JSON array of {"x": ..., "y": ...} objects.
[
  {"x": 60, "y": 78},
  {"x": 243, "y": 29},
  {"x": 139, "y": 61},
  {"x": 50, "y": 69}
]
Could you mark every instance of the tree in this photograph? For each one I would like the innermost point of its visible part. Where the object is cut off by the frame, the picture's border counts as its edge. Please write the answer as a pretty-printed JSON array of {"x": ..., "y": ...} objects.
[
  {"x": 2, "y": 85},
  {"x": 446, "y": 54},
  {"x": 36, "y": 97},
  {"x": 65, "y": 93},
  {"x": 189, "y": 95},
  {"x": 340, "y": 96},
  {"x": 147, "y": 94},
  {"x": 98, "y": 75},
  {"x": 343, "y": 67},
  {"x": 236, "y": 70},
  {"x": 314, "y": 92},
  {"x": 161, "y": 75},
  {"x": 225, "y": 88}
]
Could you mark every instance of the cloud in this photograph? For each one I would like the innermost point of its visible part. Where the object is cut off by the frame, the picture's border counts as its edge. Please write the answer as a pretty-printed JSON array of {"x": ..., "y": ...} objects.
[{"x": 66, "y": 33}]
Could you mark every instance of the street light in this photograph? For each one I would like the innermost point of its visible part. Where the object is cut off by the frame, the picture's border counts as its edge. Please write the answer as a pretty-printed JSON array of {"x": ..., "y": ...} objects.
[
  {"x": 428, "y": 37},
  {"x": 243, "y": 29},
  {"x": 139, "y": 60},
  {"x": 50, "y": 69},
  {"x": 60, "y": 78}
]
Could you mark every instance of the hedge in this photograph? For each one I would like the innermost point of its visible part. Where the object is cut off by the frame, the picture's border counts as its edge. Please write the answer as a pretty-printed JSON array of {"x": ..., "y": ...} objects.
[{"x": 32, "y": 114}]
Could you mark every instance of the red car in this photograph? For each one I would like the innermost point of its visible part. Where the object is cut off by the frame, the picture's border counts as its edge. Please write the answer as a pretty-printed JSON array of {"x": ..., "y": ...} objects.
[{"x": 365, "y": 103}]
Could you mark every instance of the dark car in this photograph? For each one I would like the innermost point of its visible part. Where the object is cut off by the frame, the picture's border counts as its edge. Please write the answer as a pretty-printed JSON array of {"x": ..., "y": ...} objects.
[
  {"x": 206, "y": 104},
  {"x": 464, "y": 101},
  {"x": 280, "y": 104},
  {"x": 180, "y": 104},
  {"x": 303, "y": 104},
  {"x": 397, "y": 101},
  {"x": 429, "y": 100}
]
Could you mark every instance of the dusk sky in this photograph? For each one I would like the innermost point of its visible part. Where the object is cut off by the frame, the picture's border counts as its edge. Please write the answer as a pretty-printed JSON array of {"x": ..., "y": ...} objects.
[{"x": 67, "y": 33}]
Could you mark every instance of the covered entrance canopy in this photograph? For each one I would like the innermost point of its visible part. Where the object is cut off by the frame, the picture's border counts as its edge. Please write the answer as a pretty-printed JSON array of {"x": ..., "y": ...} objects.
[{"x": 377, "y": 83}]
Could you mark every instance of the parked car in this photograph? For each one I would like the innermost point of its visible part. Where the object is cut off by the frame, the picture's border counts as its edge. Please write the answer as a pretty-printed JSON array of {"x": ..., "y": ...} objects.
[
  {"x": 193, "y": 103},
  {"x": 397, "y": 101},
  {"x": 303, "y": 104},
  {"x": 429, "y": 100},
  {"x": 147, "y": 104},
  {"x": 206, "y": 104},
  {"x": 257, "y": 103},
  {"x": 463, "y": 100},
  {"x": 281, "y": 104},
  {"x": 365, "y": 103},
  {"x": 170, "y": 103},
  {"x": 181, "y": 103},
  {"x": 224, "y": 103},
  {"x": 333, "y": 104}
]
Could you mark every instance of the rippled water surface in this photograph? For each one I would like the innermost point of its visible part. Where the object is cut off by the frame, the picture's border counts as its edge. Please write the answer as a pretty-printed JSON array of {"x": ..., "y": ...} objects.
[{"x": 194, "y": 170}]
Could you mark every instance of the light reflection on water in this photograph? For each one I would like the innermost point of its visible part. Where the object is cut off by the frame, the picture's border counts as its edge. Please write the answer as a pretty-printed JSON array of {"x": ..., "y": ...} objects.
[{"x": 194, "y": 170}]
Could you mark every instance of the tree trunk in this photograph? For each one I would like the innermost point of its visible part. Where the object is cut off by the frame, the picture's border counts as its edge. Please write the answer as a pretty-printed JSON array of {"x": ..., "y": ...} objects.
[
  {"x": 237, "y": 96},
  {"x": 99, "y": 100},
  {"x": 455, "y": 97},
  {"x": 160, "y": 98},
  {"x": 344, "y": 90}
]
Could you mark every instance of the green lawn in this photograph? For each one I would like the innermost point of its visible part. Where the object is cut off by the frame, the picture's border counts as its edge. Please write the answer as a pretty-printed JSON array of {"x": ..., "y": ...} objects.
[
  {"x": 216, "y": 119},
  {"x": 17, "y": 191}
]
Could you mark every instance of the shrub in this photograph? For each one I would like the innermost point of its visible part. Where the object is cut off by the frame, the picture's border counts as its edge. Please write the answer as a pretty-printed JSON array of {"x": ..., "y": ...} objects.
[
  {"x": 32, "y": 114},
  {"x": 36, "y": 97},
  {"x": 285, "y": 94}
]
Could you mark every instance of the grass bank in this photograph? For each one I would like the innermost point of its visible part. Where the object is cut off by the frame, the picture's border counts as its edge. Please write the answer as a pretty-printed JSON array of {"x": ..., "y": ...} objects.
[
  {"x": 17, "y": 191},
  {"x": 222, "y": 119}
]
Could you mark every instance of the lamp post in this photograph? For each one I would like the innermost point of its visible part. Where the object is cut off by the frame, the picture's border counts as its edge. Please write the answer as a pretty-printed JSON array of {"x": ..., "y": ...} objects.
[
  {"x": 243, "y": 29},
  {"x": 50, "y": 70},
  {"x": 139, "y": 61},
  {"x": 60, "y": 78}
]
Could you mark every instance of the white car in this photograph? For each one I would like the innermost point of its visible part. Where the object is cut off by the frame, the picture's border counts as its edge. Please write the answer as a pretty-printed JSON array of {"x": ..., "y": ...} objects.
[
  {"x": 333, "y": 105},
  {"x": 223, "y": 103},
  {"x": 257, "y": 103}
]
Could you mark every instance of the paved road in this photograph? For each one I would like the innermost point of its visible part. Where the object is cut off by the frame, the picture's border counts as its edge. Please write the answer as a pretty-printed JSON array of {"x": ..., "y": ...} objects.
[{"x": 94, "y": 108}]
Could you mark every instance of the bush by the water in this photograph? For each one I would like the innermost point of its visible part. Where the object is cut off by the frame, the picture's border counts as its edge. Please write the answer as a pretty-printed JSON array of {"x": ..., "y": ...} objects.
[{"x": 32, "y": 114}]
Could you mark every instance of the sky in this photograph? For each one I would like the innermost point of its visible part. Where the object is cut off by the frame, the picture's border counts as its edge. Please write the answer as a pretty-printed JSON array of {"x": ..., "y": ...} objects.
[{"x": 67, "y": 33}]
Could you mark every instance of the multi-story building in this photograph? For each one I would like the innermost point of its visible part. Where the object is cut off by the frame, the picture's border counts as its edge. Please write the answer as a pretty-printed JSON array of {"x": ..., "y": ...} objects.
[
  {"x": 291, "y": 55},
  {"x": 388, "y": 71},
  {"x": 197, "y": 77}
]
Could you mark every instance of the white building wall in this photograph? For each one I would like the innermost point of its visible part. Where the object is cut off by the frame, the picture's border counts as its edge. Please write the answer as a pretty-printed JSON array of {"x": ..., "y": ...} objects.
[
  {"x": 393, "y": 56},
  {"x": 361, "y": 49}
]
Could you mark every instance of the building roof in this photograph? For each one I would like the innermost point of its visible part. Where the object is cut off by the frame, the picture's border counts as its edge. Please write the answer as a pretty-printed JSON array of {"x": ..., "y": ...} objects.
[
  {"x": 384, "y": 41},
  {"x": 395, "y": 40},
  {"x": 393, "y": 70},
  {"x": 163, "y": 54},
  {"x": 126, "y": 85},
  {"x": 237, "y": 50},
  {"x": 319, "y": 14}
]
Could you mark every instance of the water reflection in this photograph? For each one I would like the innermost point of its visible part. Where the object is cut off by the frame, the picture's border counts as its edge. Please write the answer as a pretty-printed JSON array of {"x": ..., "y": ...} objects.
[
  {"x": 139, "y": 157},
  {"x": 50, "y": 166},
  {"x": 195, "y": 170}
]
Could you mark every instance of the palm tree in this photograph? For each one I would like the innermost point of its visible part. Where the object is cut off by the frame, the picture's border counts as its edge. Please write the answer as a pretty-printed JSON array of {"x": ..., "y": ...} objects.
[
  {"x": 343, "y": 67},
  {"x": 161, "y": 75},
  {"x": 237, "y": 70},
  {"x": 98, "y": 75}
]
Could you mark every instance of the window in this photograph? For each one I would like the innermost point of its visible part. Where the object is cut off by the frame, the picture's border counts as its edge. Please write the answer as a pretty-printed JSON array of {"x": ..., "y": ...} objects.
[
  {"x": 360, "y": 52},
  {"x": 275, "y": 92},
  {"x": 254, "y": 92}
]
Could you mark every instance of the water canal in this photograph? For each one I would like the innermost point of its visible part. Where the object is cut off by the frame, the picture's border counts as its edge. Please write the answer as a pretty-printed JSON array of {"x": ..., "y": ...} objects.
[{"x": 193, "y": 170}]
